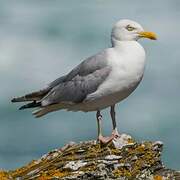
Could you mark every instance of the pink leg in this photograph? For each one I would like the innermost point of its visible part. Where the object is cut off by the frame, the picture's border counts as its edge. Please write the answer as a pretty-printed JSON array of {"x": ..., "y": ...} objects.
[
  {"x": 105, "y": 140},
  {"x": 102, "y": 139}
]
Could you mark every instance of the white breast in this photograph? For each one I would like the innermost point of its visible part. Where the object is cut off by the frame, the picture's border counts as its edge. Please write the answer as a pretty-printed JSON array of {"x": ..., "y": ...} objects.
[{"x": 127, "y": 60}]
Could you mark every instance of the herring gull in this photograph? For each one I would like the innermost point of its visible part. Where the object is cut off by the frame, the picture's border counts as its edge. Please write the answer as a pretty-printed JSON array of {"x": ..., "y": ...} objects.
[{"x": 98, "y": 82}]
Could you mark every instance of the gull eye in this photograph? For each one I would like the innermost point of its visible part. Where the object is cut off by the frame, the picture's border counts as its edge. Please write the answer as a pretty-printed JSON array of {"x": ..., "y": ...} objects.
[{"x": 129, "y": 28}]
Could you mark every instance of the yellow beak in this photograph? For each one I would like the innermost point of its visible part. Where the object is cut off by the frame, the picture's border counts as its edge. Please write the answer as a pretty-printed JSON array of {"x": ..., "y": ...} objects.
[{"x": 149, "y": 35}]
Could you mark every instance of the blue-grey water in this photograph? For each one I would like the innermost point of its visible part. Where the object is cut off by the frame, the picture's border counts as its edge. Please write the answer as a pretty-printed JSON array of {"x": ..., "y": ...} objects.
[{"x": 42, "y": 40}]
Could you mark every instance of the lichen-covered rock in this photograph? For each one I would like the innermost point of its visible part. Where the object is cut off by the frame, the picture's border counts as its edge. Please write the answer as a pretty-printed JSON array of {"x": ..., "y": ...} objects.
[{"x": 122, "y": 159}]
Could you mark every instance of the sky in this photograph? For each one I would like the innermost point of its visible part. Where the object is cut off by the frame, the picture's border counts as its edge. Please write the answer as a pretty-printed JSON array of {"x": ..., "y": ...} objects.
[{"x": 42, "y": 40}]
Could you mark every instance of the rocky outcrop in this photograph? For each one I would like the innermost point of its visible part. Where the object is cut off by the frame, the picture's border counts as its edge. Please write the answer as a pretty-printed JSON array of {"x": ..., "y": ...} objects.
[{"x": 122, "y": 159}]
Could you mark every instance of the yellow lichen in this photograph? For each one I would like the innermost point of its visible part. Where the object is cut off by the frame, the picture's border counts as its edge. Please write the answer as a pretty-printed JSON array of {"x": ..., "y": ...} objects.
[
  {"x": 4, "y": 175},
  {"x": 157, "y": 177},
  {"x": 20, "y": 171},
  {"x": 130, "y": 140},
  {"x": 51, "y": 167},
  {"x": 53, "y": 173},
  {"x": 122, "y": 172}
]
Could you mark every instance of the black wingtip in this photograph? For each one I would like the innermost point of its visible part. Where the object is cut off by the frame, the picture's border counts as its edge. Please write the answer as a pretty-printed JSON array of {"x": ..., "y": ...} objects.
[
  {"x": 13, "y": 100},
  {"x": 23, "y": 107},
  {"x": 16, "y": 99},
  {"x": 30, "y": 105}
]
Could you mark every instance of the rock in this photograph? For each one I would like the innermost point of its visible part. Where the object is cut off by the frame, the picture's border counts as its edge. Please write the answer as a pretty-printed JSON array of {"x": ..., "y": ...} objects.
[
  {"x": 122, "y": 159},
  {"x": 122, "y": 141},
  {"x": 112, "y": 157},
  {"x": 74, "y": 165}
]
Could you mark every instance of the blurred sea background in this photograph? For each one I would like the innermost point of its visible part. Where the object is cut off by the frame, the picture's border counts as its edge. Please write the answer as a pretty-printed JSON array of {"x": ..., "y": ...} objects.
[{"x": 42, "y": 40}]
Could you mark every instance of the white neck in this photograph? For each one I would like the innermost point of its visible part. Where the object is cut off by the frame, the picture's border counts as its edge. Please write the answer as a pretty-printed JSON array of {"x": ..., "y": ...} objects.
[
  {"x": 129, "y": 48},
  {"x": 116, "y": 42}
]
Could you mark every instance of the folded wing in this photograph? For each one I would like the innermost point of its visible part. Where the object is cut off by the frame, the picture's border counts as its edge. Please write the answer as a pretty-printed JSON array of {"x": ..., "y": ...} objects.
[{"x": 74, "y": 87}]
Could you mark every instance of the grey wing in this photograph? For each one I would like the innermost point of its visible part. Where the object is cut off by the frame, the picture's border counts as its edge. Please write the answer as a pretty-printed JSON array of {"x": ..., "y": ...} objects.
[
  {"x": 56, "y": 82},
  {"x": 88, "y": 66},
  {"x": 81, "y": 81},
  {"x": 83, "y": 77},
  {"x": 76, "y": 90}
]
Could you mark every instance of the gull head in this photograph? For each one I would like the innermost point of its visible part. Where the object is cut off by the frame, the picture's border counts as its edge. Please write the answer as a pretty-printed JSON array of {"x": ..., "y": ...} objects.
[{"x": 128, "y": 30}]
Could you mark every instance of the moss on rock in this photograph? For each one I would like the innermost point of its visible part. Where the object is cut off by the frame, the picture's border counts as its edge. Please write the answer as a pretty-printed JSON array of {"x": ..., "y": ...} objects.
[{"x": 124, "y": 158}]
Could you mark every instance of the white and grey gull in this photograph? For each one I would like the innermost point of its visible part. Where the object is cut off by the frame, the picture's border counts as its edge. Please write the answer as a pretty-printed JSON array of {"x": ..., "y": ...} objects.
[{"x": 100, "y": 81}]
